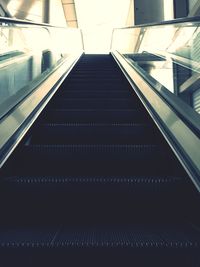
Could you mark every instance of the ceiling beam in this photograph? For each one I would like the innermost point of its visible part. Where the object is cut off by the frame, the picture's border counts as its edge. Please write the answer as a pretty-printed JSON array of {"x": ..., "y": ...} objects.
[{"x": 70, "y": 13}]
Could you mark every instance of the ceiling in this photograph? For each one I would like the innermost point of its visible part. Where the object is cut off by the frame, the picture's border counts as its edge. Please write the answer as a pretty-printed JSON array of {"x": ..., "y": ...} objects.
[
  {"x": 70, "y": 9},
  {"x": 70, "y": 13}
]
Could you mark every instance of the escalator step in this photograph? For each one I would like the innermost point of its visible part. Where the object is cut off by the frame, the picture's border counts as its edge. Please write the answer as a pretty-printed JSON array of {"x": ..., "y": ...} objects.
[
  {"x": 95, "y": 86},
  {"x": 76, "y": 133},
  {"x": 129, "y": 182},
  {"x": 94, "y": 103},
  {"x": 95, "y": 75},
  {"x": 102, "y": 94},
  {"x": 133, "y": 237},
  {"x": 152, "y": 167},
  {"x": 94, "y": 116},
  {"x": 94, "y": 200},
  {"x": 103, "y": 82},
  {"x": 137, "y": 236},
  {"x": 124, "y": 190},
  {"x": 86, "y": 152},
  {"x": 93, "y": 183},
  {"x": 101, "y": 247}
]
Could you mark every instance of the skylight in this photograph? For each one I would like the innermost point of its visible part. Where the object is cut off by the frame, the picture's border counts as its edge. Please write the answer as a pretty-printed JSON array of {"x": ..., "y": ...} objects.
[{"x": 97, "y": 18}]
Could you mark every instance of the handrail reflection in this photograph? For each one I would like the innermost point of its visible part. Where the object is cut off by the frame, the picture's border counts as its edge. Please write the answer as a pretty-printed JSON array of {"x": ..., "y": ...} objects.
[
  {"x": 177, "y": 43},
  {"x": 29, "y": 52}
]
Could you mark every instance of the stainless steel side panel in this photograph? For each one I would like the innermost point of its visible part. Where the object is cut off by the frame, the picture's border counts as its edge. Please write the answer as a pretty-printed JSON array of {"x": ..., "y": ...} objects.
[
  {"x": 187, "y": 147},
  {"x": 14, "y": 126}
]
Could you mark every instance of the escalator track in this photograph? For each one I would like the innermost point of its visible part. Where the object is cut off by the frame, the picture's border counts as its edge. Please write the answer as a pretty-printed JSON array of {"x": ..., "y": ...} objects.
[{"x": 94, "y": 182}]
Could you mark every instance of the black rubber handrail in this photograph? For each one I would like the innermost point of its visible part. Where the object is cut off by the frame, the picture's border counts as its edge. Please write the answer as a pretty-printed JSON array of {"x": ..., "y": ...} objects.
[
  {"x": 27, "y": 22},
  {"x": 166, "y": 22}
]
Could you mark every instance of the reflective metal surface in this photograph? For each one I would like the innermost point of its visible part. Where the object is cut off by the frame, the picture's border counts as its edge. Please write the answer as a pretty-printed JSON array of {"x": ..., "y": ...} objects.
[
  {"x": 167, "y": 54},
  {"x": 184, "y": 142},
  {"x": 28, "y": 54},
  {"x": 34, "y": 59},
  {"x": 16, "y": 124}
]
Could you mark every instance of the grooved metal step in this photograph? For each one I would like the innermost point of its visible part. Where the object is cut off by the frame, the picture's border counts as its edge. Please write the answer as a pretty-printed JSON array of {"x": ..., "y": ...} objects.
[
  {"x": 94, "y": 116},
  {"x": 95, "y": 86},
  {"x": 87, "y": 152},
  {"x": 103, "y": 94},
  {"x": 158, "y": 236},
  {"x": 94, "y": 103},
  {"x": 93, "y": 133},
  {"x": 155, "y": 188},
  {"x": 94, "y": 184}
]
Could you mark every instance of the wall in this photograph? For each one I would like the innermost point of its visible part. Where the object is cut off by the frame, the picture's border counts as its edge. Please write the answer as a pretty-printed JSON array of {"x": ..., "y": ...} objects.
[
  {"x": 153, "y": 11},
  {"x": 192, "y": 4},
  {"x": 194, "y": 8},
  {"x": 56, "y": 13},
  {"x": 130, "y": 18},
  {"x": 146, "y": 12},
  {"x": 180, "y": 8},
  {"x": 26, "y": 9},
  {"x": 48, "y": 11},
  {"x": 184, "y": 8}
]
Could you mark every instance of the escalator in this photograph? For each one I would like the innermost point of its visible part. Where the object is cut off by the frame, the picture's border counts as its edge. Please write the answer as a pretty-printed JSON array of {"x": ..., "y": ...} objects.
[{"x": 94, "y": 183}]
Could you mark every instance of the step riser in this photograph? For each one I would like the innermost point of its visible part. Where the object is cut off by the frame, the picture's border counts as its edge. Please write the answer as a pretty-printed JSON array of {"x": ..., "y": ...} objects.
[
  {"x": 93, "y": 168},
  {"x": 94, "y": 116},
  {"x": 95, "y": 88},
  {"x": 93, "y": 104},
  {"x": 92, "y": 94},
  {"x": 63, "y": 134},
  {"x": 91, "y": 152},
  {"x": 46, "y": 255}
]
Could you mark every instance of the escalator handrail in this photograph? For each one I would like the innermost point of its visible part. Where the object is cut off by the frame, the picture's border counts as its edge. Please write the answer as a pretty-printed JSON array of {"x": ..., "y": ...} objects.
[
  {"x": 4, "y": 20},
  {"x": 190, "y": 116},
  {"x": 142, "y": 27},
  {"x": 193, "y": 122},
  {"x": 29, "y": 106},
  {"x": 15, "y": 125},
  {"x": 166, "y": 22},
  {"x": 183, "y": 140}
]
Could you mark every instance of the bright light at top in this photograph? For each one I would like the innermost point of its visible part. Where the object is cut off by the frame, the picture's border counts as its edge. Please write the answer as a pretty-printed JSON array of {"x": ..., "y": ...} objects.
[
  {"x": 97, "y": 18},
  {"x": 169, "y": 9}
]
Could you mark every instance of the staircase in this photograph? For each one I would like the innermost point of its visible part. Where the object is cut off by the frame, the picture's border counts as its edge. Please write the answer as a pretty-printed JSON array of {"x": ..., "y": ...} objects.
[{"x": 94, "y": 183}]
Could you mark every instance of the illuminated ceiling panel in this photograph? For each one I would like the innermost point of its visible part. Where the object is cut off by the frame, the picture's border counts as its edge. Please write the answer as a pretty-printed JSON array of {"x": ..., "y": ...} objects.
[
  {"x": 96, "y": 13},
  {"x": 97, "y": 18}
]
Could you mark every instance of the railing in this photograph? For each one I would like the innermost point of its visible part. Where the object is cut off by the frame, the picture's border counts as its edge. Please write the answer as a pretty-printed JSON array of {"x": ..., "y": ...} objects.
[
  {"x": 30, "y": 55},
  {"x": 29, "y": 52},
  {"x": 164, "y": 59}
]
